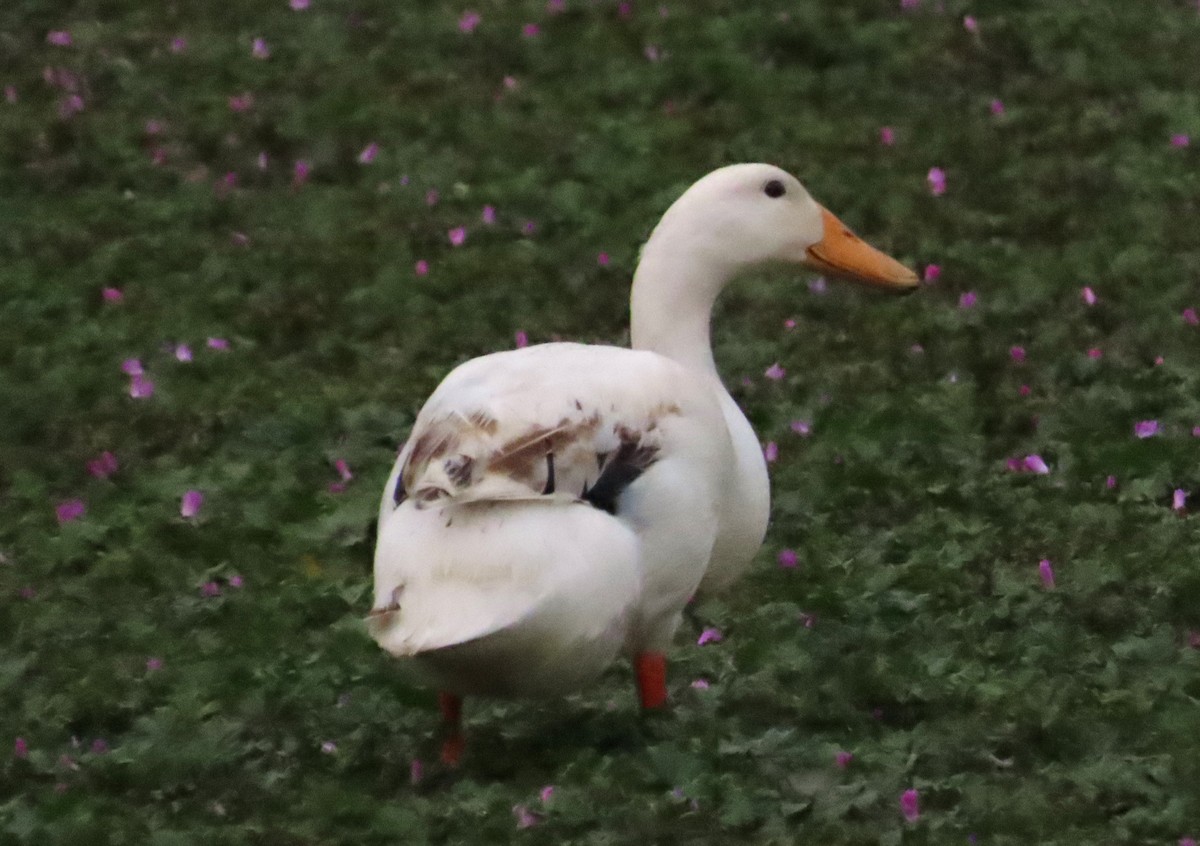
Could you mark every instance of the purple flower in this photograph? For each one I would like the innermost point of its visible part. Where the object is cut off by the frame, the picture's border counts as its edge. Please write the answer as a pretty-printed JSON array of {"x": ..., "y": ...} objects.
[
  {"x": 531, "y": 30},
  {"x": 887, "y": 136},
  {"x": 1088, "y": 295},
  {"x": 301, "y": 171},
  {"x": 70, "y": 510},
  {"x": 421, "y": 267},
  {"x": 183, "y": 353},
  {"x": 298, "y": 5},
  {"x": 488, "y": 215},
  {"x": 997, "y": 107},
  {"x": 368, "y": 153},
  {"x": 416, "y": 772},
  {"x": 700, "y": 684},
  {"x": 521, "y": 339},
  {"x": 210, "y": 589},
  {"x": 553, "y": 7},
  {"x": 970, "y": 24},
  {"x": 546, "y": 794},
  {"x": 1046, "y": 571},
  {"x": 189, "y": 505},
  {"x": 709, "y": 635},
  {"x": 937, "y": 181},
  {"x": 968, "y": 300},
  {"x": 217, "y": 344},
  {"x": 20, "y": 749},
  {"x": 132, "y": 367},
  {"x": 153, "y": 665},
  {"x": 178, "y": 44},
  {"x": 343, "y": 469},
  {"x": 112, "y": 295},
  {"x": 775, "y": 372},
  {"x": 140, "y": 387},
  {"x": 1035, "y": 464},
  {"x": 241, "y": 102},
  {"x": 1110, "y": 482},
  {"x": 528, "y": 227},
  {"x": 1190, "y": 317},
  {"x": 431, "y": 197},
  {"x": 329, "y": 747},
  {"x": 801, "y": 427},
  {"x": 932, "y": 272},
  {"x": 910, "y": 805},
  {"x": 1017, "y": 354},
  {"x": 787, "y": 558},
  {"x": 27, "y": 593},
  {"x": 457, "y": 236},
  {"x": 236, "y": 581},
  {"x": 818, "y": 285},
  {"x": 1180, "y": 140},
  {"x": 771, "y": 452},
  {"x": 469, "y": 21},
  {"x": 1179, "y": 499},
  {"x": 1095, "y": 353},
  {"x": 10, "y": 94},
  {"x": 843, "y": 759},
  {"x": 525, "y": 818},
  {"x": 99, "y": 746},
  {"x": 602, "y": 259},
  {"x": 260, "y": 50},
  {"x": 59, "y": 38},
  {"x": 103, "y": 466},
  {"x": 1145, "y": 429}
]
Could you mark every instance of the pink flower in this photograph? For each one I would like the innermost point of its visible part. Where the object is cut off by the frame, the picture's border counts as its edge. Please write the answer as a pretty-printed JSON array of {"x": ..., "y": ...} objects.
[
  {"x": 469, "y": 21},
  {"x": 140, "y": 387},
  {"x": 183, "y": 353},
  {"x": 910, "y": 805},
  {"x": 1180, "y": 139},
  {"x": 709, "y": 635},
  {"x": 70, "y": 510},
  {"x": 70, "y": 105},
  {"x": 546, "y": 794},
  {"x": 937, "y": 181},
  {"x": 932, "y": 272},
  {"x": 457, "y": 236},
  {"x": 103, "y": 465},
  {"x": 521, "y": 339},
  {"x": 59, "y": 38},
  {"x": 300, "y": 171},
  {"x": 1035, "y": 464},
  {"x": 488, "y": 215},
  {"x": 1017, "y": 354},
  {"x": 801, "y": 427},
  {"x": 189, "y": 506},
  {"x": 531, "y": 30},
  {"x": 1110, "y": 482},
  {"x": 241, "y": 102},
  {"x": 771, "y": 452},
  {"x": 602, "y": 259},
  {"x": 239, "y": 239},
  {"x": 343, "y": 469},
  {"x": 217, "y": 344},
  {"x": 1145, "y": 429},
  {"x": 525, "y": 818},
  {"x": 787, "y": 558},
  {"x": 700, "y": 684},
  {"x": 790, "y": 323},
  {"x": 421, "y": 267},
  {"x": 625, "y": 11},
  {"x": 528, "y": 227},
  {"x": 178, "y": 44},
  {"x": 260, "y": 50},
  {"x": 510, "y": 82},
  {"x": 112, "y": 295},
  {"x": 1158, "y": 360},
  {"x": 1095, "y": 353},
  {"x": 997, "y": 107},
  {"x": 843, "y": 759},
  {"x": 10, "y": 94},
  {"x": 20, "y": 749},
  {"x": 1024, "y": 390},
  {"x": 431, "y": 197},
  {"x": 132, "y": 367},
  {"x": 298, "y": 5},
  {"x": 210, "y": 589},
  {"x": 368, "y": 153},
  {"x": 554, "y": 7},
  {"x": 1196, "y": 431},
  {"x": 775, "y": 372},
  {"x": 416, "y": 772},
  {"x": 970, "y": 24},
  {"x": 99, "y": 746},
  {"x": 153, "y": 665},
  {"x": 1046, "y": 571},
  {"x": 1089, "y": 296},
  {"x": 1179, "y": 499},
  {"x": 968, "y": 300},
  {"x": 887, "y": 136},
  {"x": 1190, "y": 317},
  {"x": 909, "y": 4},
  {"x": 818, "y": 285},
  {"x": 329, "y": 747},
  {"x": 27, "y": 593},
  {"x": 236, "y": 581}
]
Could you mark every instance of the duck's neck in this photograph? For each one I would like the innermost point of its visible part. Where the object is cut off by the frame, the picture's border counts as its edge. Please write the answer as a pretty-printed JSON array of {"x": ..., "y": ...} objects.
[{"x": 674, "y": 289}]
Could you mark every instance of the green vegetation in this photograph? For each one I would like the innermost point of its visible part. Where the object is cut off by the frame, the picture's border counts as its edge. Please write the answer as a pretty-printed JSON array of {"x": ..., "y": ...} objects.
[{"x": 168, "y": 680}]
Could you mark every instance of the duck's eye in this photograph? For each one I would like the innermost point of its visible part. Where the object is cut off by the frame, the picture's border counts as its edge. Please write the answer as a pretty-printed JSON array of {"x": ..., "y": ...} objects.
[{"x": 774, "y": 189}]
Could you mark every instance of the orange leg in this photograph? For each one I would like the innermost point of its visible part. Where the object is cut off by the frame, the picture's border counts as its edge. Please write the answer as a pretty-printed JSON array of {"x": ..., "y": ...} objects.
[
  {"x": 454, "y": 743},
  {"x": 651, "y": 668}
]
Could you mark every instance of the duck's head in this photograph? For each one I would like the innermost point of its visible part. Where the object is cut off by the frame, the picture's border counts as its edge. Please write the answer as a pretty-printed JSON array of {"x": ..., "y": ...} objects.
[{"x": 748, "y": 214}]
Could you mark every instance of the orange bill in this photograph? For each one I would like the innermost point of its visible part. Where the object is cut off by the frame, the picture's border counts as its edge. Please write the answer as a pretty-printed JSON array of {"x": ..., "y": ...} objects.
[{"x": 842, "y": 253}]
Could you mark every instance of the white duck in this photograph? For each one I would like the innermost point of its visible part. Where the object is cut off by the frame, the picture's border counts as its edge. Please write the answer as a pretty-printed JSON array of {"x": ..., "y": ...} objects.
[{"x": 559, "y": 504}]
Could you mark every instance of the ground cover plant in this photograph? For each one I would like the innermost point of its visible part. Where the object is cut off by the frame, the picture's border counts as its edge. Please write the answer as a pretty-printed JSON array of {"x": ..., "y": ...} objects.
[{"x": 239, "y": 244}]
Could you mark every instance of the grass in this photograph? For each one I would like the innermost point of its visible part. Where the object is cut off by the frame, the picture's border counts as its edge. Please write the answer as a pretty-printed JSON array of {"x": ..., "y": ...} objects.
[{"x": 206, "y": 680}]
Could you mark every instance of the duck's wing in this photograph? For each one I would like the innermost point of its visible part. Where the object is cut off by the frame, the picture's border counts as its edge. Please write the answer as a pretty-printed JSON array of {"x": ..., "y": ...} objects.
[{"x": 543, "y": 478}]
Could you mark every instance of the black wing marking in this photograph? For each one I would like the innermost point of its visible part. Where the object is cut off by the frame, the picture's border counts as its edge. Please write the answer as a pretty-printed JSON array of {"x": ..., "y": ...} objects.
[{"x": 627, "y": 464}]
